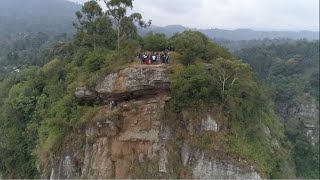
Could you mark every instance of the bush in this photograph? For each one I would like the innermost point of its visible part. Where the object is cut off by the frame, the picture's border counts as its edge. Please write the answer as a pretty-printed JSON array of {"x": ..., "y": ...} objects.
[
  {"x": 155, "y": 42},
  {"x": 194, "y": 45},
  {"x": 94, "y": 61}
]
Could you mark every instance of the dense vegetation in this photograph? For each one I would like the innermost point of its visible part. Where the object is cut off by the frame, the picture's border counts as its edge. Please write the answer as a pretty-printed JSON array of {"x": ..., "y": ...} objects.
[
  {"x": 23, "y": 17},
  {"x": 30, "y": 29},
  {"x": 209, "y": 79},
  {"x": 290, "y": 73},
  {"x": 38, "y": 108},
  {"x": 29, "y": 50}
]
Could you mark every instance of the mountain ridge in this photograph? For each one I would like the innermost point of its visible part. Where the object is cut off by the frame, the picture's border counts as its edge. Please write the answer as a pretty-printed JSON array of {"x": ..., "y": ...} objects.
[
  {"x": 33, "y": 16},
  {"x": 237, "y": 34}
]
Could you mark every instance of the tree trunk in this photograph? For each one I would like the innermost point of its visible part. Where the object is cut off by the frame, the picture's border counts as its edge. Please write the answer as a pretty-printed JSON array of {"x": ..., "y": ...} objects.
[
  {"x": 223, "y": 81},
  {"x": 94, "y": 42},
  {"x": 118, "y": 40}
]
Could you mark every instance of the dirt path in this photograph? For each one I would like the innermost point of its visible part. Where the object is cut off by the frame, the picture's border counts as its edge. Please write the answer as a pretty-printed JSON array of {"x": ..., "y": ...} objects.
[{"x": 136, "y": 64}]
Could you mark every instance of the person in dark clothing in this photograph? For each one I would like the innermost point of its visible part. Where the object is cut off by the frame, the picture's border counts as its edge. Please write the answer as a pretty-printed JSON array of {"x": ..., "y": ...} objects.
[
  {"x": 144, "y": 57},
  {"x": 166, "y": 51},
  {"x": 113, "y": 104},
  {"x": 167, "y": 59},
  {"x": 126, "y": 97},
  {"x": 163, "y": 58}
]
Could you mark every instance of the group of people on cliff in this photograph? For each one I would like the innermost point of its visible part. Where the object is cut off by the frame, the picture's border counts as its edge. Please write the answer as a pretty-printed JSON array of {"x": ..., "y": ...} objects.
[{"x": 154, "y": 57}]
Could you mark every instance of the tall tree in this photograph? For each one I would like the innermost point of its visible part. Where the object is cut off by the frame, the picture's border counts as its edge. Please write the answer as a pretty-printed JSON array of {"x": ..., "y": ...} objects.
[
  {"x": 125, "y": 25},
  {"x": 94, "y": 28},
  {"x": 155, "y": 42}
]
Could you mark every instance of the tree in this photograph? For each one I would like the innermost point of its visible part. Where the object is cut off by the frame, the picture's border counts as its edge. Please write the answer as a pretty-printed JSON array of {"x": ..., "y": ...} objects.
[
  {"x": 227, "y": 71},
  {"x": 124, "y": 24},
  {"x": 94, "y": 28},
  {"x": 155, "y": 42},
  {"x": 214, "y": 51},
  {"x": 190, "y": 44}
]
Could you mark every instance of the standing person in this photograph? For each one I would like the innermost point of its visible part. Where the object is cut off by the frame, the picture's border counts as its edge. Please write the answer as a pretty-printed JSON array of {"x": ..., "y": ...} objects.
[
  {"x": 111, "y": 104},
  {"x": 166, "y": 51},
  {"x": 162, "y": 58},
  {"x": 157, "y": 57},
  {"x": 144, "y": 57},
  {"x": 168, "y": 58},
  {"x": 148, "y": 60},
  {"x": 153, "y": 58}
]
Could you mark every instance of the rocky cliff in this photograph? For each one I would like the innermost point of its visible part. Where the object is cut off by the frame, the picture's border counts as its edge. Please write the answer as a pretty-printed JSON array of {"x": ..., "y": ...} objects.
[
  {"x": 135, "y": 139},
  {"x": 302, "y": 114}
]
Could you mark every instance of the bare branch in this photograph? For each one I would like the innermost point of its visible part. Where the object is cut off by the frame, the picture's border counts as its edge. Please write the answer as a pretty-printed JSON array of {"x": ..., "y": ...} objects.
[{"x": 234, "y": 79}]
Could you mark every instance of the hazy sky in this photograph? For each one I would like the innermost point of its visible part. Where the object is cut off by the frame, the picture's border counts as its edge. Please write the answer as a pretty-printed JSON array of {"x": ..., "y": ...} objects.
[{"x": 232, "y": 14}]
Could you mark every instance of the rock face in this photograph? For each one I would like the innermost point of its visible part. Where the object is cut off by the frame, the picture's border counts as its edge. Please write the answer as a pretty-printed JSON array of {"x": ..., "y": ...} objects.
[
  {"x": 85, "y": 94},
  {"x": 125, "y": 138},
  {"x": 209, "y": 124},
  {"x": 207, "y": 168},
  {"x": 130, "y": 83},
  {"x": 305, "y": 110}
]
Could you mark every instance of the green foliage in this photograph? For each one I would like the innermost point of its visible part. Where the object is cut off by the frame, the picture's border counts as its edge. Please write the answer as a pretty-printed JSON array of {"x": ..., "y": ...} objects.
[
  {"x": 190, "y": 44},
  {"x": 193, "y": 45},
  {"x": 189, "y": 86},
  {"x": 39, "y": 111},
  {"x": 198, "y": 84},
  {"x": 290, "y": 68},
  {"x": 214, "y": 51},
  {"x": 125, "y": 25},
  {"x": 94, "y": 61},
  {"x": 231, "y": 85},
  {"x": 306, "y": 157},
  {"x": 290, "y": 72},
  {"x": 155, "y": 42},
  {"x": 144, "y": 170},
  {"x": 26, "y": 50},
  {"x": 50, "y": 17},
  {"x": 94, "y": 28}
]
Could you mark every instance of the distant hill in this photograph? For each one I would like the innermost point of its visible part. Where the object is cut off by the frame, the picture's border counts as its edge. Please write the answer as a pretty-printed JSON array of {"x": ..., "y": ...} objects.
[
  {"x": 32, "y": 16},
  {"x": 236, "y": 35}
]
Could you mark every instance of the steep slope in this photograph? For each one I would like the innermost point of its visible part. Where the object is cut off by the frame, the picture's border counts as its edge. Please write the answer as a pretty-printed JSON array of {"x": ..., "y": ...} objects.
[
  {"x": 69, "y": 130},
  {"x": 290, "y": 72},
  {"x": 136, "y": 140},
  {"x": 202, "y": 116}
]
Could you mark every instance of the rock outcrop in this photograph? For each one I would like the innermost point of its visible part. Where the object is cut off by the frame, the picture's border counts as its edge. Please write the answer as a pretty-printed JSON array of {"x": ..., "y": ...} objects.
[
  {"x": 129, "y": 83},
  {"x": 208, "y": 168},
  {"x": 305, "y": 110},
  {"x": 135, "y": 133}
]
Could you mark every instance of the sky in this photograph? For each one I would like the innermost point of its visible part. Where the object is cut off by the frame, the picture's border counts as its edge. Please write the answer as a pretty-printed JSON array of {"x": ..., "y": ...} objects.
[{"x": 278, "y": 15}]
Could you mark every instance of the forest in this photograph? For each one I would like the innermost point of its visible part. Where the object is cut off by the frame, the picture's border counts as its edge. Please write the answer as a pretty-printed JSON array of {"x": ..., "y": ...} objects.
[{"x": 288, "y": 71}]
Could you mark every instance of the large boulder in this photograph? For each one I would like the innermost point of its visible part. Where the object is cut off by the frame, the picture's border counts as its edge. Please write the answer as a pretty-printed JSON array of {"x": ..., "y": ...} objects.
[
  {"x": 86, "y": 94},
  {"x": 129, "y": 83},
  {"x": 134, "y": 79}
]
